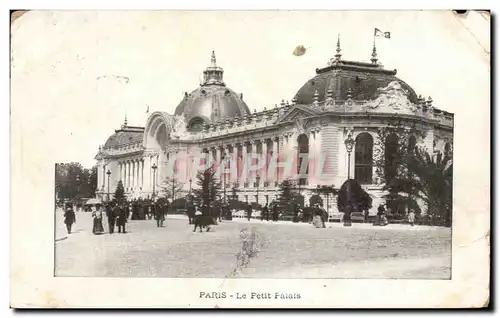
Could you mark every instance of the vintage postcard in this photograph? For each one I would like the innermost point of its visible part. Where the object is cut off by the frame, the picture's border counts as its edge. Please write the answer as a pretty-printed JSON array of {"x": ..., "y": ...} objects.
[{"x": 246, "y": 159}]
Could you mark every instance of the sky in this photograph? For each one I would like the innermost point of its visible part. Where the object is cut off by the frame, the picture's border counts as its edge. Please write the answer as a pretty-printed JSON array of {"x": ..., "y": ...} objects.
[{"x": 76, "y": 74}]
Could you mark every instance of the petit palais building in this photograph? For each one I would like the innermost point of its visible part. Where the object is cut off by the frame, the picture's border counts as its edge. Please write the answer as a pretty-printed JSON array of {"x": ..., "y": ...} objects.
[{"x": 345, "y": 100}]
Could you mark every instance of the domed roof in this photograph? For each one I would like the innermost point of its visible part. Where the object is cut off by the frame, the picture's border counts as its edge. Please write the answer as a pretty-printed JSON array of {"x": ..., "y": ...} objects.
[
  {"x": 212, "y": 100},
  {"x": 341, "y": 78},
  {"x": 124, "y": 136}
]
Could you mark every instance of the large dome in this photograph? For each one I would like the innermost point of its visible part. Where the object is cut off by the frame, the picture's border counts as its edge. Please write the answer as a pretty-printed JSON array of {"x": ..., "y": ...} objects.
[
  {"x": 341, "y": 77},
  {"x": 212, "y": 101}
]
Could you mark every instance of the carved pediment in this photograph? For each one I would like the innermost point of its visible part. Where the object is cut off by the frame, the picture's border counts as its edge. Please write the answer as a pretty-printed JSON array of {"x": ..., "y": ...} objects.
[
  {"x": 392, "y": 98},
  {"x": 297, "y": 112}
]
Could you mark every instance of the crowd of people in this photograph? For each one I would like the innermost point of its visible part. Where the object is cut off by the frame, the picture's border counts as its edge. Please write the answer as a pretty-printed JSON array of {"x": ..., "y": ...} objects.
[
  {"x": 202, "y": 216},
  {"x": 117, "y": 213}
]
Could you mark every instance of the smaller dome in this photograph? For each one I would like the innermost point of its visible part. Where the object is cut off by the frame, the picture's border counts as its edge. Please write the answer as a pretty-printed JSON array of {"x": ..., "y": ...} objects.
[{"x": 124, "y": 136}]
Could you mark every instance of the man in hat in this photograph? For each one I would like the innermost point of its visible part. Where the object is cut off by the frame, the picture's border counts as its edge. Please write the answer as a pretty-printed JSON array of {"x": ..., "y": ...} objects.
[
  {"x": 122, "y": 217},
  {"x": 110, "y": 214},
  {"x": 159, "y": 214},
  {"x": 249, "y": 212},
  {"x": 265, "y": 213},
  {"x": 69, "y": 216},
  {"x": 276, "y": 212}
]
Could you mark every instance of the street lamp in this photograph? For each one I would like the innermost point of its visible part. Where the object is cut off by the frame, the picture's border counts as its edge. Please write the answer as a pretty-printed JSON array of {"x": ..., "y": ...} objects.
[
  {"x": 349, "y": 144},
  {"x": 109, "y": 175},
  {"x": 258, "y": 179},
  {"x": 154, "y": 179}
]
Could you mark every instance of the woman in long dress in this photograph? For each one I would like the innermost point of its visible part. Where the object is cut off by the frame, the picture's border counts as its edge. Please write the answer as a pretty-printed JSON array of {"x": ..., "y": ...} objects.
[
  {"x": 411, "y": 218},
  {"x": 317, "y": 219},
  {"x": 97, "y": 215}
]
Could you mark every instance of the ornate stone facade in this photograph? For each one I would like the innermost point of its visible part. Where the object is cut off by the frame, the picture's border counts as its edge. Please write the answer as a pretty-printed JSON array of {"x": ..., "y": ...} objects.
[{"x": 344, "y": 99}]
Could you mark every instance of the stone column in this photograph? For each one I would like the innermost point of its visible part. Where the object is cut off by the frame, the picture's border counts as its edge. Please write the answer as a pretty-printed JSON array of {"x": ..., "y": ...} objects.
[
  {"x": 253, "y": 174},
  {"x": 233, "y": 174},
  {"x": 128, "y": 174},
  {"x": 311, "y": 159},
  {"x": 103, "y": 175},
  {"x": 142, "y": 173},
  {"x": 275, "y": 159},
  {"x": 124, "y": 178},
  {"x": 137, "y": 170},
  {"x": 244, "y": 174},
  {"x": 134, "y": 174},
  {"x": 122, "y": 173},
  {"x": 218, "y": 155},
  {"x": 263, "y": 171}
]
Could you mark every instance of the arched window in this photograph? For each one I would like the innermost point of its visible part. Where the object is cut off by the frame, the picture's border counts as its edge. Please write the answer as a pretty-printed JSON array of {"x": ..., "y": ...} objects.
[
  {"x": 196, "y": 124},
  {"x": 391, "y": 157},
  {"x": 363, "y": 158},
  {"x": 303, "y": 142}
]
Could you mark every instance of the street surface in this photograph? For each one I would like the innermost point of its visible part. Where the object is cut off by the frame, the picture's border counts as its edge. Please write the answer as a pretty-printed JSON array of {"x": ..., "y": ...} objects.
[{"x": 283, "y": 250}]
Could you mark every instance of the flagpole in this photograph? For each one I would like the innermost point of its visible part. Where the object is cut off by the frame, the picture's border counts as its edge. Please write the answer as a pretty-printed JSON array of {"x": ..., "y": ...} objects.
[{"x": 374, "y": 49}]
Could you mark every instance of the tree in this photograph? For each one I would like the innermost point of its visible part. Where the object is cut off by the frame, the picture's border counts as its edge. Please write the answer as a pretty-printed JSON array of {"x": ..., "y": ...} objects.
[
  {"x": 352, "y": 198},
  {"x": 73, "y": 182},
  {"x": 119, "y": 192},
  {"x": 234, "y": 203},
  {"x": 286, "y": 196},
  {"x": 327, "y": 190},
  {"x": 171, "y": 188},
  {"x": 429, "y": 180},
  {"x": 315, "y": 199},
  {"x": 392, "y": 165},
  {"x": 208, "y": 187}
]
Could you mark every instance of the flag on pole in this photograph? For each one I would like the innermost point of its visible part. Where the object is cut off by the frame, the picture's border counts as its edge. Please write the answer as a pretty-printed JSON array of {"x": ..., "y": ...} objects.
[{"x": 386, "y": 35}]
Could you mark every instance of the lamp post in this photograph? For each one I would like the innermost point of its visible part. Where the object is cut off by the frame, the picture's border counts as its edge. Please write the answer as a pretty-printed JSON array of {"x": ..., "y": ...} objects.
[
  {"x": 257, "y": 178},
  {"x": 109, "y": 175},
  {"x": 154, "y": 179},
  {"x": 349, "y": 144}
]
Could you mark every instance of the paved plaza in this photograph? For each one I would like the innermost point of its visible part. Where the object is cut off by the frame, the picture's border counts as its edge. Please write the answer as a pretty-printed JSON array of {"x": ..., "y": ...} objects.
[{"x": 284, "y": 250}]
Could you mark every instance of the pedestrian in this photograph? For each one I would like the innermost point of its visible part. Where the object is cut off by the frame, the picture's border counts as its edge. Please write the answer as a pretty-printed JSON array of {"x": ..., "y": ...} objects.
[
  {"x": 411, "y": 218},
  {"x": 295, "y": 208},
  {"x": 381, "y": 219},
  {"x": 219, "y": 212},
  {"x": 97, "y": 226},
  {"x": 160, "y": 214},
  {"x": 122, "y": 217},
  {"x": 249, "y": 212},
  {"x": 190, "y": 210},
  {"x": 324, "y": 215},
  {"x": 135, "y": 210},
  {"x": 69, "y": 216},
  {"x": 197, "y": 220},
  {"x": 275, "y": 212},
  {"x": 265, "y": 212},
  {"x": 317, "y": 219},
  {"x": 111, "y": 215}
]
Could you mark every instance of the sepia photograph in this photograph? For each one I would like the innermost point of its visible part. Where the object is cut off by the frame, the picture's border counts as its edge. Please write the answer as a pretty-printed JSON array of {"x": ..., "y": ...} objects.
[{"x": 251, "y": 145}]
